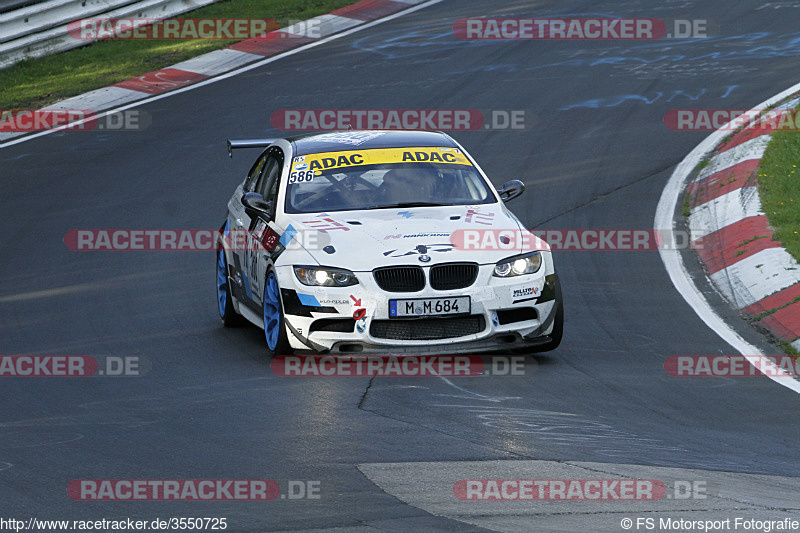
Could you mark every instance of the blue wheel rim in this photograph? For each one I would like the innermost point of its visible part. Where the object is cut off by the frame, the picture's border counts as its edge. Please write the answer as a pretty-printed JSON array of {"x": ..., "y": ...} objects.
[
  {"x": 272, "y": 312},
  {"x": 222, "y": 283}
]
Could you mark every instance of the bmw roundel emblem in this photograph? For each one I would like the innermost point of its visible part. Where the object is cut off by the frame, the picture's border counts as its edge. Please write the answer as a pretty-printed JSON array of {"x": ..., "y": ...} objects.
[{"x": 424, "y": 258}]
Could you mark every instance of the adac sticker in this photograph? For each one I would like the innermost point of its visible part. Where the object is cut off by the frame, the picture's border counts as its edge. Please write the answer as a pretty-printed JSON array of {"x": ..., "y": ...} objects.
[{"x": 333, "y": 160}]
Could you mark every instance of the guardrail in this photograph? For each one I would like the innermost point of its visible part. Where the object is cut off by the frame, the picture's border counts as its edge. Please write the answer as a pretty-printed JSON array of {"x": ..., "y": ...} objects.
[
  {"x": 41, "y": 29},
  {"x": 11, "y": 5}
]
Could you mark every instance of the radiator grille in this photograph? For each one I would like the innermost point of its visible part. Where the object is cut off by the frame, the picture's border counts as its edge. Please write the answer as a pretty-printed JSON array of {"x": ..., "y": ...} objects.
[
  {"x": 400, "y": 279},
  {"x": 450, "y": 276}
]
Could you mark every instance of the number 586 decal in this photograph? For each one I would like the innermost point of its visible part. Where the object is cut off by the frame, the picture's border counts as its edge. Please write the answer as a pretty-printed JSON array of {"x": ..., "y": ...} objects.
[{"x": 301, "y": 176}]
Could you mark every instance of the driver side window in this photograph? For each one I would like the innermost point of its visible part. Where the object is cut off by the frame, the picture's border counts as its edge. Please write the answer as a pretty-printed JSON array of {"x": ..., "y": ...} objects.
[
  {"x": 252, "y": 176},
  {"x": 269, "y": 180},
  {"x": 268, "y": 176}
]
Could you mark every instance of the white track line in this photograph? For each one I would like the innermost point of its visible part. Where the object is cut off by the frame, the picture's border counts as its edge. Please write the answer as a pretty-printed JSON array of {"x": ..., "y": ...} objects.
[
  {"x": 671, "y": 256},
  {"x": 229, "y": 74}
]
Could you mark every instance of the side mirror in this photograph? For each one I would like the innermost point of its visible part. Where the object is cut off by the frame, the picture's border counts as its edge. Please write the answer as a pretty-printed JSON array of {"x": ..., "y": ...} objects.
[
  {"x": 256, "y": 202},
  {"x": 511, "y": 189}
]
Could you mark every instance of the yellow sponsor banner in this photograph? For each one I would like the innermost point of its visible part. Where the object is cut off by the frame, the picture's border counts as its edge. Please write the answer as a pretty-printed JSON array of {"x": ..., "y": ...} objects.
[{"x": 379, "y": 156}]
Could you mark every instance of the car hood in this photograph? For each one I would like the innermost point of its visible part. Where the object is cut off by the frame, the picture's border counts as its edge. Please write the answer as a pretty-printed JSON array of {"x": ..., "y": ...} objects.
[{"x": 363, "y": 240}]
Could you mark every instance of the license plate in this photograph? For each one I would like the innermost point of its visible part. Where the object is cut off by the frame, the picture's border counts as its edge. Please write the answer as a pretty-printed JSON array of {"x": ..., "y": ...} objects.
[{"x": 459, "y": 305}]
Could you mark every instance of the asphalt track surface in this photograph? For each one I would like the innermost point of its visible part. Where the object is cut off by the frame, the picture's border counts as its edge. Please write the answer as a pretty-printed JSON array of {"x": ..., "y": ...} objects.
[{"x": 597, "y": 155}]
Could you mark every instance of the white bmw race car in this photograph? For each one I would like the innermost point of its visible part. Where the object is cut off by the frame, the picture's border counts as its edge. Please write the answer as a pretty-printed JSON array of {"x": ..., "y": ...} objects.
[{"x": 382, "y": 242}]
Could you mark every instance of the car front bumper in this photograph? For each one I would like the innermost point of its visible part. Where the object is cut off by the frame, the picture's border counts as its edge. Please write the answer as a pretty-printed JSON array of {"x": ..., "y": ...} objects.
[{"x": 506, "y": 313}]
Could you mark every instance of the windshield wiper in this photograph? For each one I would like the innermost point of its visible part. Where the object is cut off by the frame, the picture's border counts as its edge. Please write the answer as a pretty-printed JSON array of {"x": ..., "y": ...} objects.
[{"x": 405, "y": 204}]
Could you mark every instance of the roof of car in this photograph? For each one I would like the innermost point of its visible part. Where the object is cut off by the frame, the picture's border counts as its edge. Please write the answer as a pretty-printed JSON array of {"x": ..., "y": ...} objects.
[{"x": 338, "y": 141}]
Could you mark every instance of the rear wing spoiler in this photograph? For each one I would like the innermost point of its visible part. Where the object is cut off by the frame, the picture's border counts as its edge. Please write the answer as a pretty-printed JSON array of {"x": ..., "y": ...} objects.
[{"x": 248, "y": 143}]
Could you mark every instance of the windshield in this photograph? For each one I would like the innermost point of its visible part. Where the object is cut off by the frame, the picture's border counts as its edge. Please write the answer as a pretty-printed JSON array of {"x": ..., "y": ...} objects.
[{"x": 383, "y": 178}]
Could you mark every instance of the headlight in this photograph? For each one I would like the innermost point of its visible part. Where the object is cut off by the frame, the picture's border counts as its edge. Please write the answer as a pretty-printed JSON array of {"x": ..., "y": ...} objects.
[
  {"x": 325, "y": 277},
  {"x": 518, "y": 265}
]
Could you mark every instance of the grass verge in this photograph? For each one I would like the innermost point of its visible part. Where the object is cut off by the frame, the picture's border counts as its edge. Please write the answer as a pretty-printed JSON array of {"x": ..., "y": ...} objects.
[
  {"x": 779, "y": 188},
  {"x": 42, "y": 81}
]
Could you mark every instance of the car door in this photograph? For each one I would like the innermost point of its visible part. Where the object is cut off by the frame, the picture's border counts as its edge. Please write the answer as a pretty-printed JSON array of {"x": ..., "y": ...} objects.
[
  {"x": 260, "y": 226},
  {"x": 239, "y": 225}
]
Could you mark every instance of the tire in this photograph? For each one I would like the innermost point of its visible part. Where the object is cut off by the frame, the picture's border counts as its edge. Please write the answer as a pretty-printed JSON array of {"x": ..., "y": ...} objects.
[
  {"x": 230, "y": 318},
  {"x": 274, "y": 327}
]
